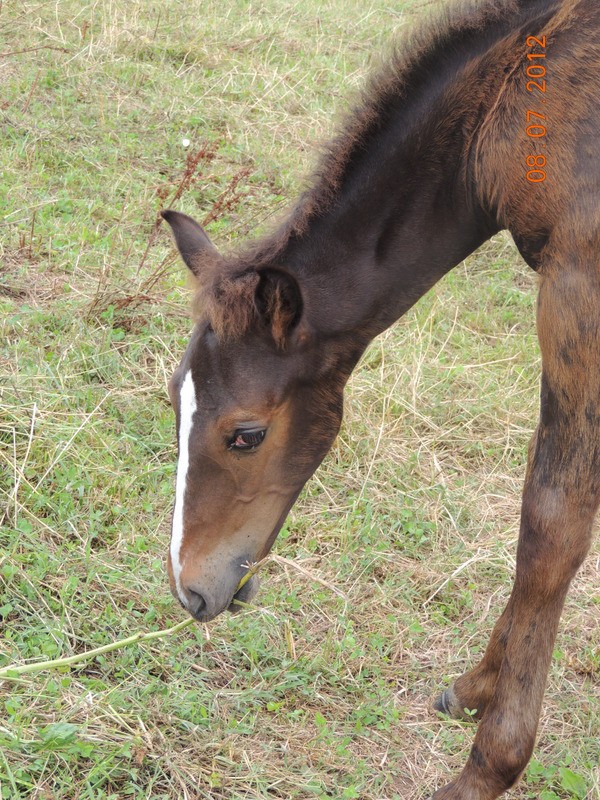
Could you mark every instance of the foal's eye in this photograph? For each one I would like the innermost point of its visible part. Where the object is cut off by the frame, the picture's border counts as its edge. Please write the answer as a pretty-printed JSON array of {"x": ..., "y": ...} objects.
[{"x": 246, "y": 439}]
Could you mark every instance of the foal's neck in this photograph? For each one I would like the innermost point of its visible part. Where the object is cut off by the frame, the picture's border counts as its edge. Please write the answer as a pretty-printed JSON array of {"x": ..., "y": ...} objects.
[
  {"x": 396, "y": 206},
  {"x": 405, "y": 215}
]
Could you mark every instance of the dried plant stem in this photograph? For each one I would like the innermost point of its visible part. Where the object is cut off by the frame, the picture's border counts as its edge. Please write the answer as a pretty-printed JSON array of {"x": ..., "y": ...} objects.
[
  {"x": 13, "y": 671},
  {"x": 20, "y": 472},
  {"x": 7, "y": 673},
  {"x": 286, "y": 562}
]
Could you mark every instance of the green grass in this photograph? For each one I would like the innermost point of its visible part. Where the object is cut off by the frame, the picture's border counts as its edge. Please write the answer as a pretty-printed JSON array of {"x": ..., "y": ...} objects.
[{"x": 413, "y": 516}]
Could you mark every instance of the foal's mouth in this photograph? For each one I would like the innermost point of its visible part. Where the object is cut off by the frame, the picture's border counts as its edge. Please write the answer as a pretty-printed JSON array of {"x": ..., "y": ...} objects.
[{"x": 244, "y": 595}]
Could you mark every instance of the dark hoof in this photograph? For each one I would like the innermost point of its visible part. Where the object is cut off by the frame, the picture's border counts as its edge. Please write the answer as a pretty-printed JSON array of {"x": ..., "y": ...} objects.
[
  {"x": 448, "y": 703},
  {"x": 441, "y": 704}
]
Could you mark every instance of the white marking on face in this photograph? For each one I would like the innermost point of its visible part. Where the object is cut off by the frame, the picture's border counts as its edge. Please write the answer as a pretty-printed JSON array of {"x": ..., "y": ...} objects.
[{"x": 187, "y": 407}]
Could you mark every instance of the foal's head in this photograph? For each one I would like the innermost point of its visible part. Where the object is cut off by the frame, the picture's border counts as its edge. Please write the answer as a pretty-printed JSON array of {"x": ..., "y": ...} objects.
[{"x": 258, "y": 401}]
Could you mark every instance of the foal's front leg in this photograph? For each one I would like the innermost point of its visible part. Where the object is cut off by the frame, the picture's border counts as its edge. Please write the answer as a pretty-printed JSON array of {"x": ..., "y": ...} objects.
[
  {"x": 545, "y": 566},
  {"x": 559, "y": 503}
]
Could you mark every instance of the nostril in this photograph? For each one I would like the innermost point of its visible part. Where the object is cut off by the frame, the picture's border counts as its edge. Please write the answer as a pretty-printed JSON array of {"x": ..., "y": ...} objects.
[{"x": 196, "y": 603}]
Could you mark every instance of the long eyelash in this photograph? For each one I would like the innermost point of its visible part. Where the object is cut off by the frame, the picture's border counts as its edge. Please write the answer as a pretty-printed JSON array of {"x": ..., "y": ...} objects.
[{"x": 246, "y": 440}]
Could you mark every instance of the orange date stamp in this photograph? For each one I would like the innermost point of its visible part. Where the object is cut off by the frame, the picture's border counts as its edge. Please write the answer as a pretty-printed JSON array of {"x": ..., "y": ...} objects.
[{"x": 536, "y": 128}]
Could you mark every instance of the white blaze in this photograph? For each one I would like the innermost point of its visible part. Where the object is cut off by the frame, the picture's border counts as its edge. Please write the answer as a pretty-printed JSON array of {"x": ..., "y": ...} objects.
[{"x": 187, "y": 406}]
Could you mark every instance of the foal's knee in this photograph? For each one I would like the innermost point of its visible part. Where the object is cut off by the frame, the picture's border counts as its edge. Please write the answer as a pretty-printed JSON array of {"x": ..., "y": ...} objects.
[
  {"x": 496, "y": 762},
  {"x": 509, "y": 761},
  {"x": 555, "y": 537}
]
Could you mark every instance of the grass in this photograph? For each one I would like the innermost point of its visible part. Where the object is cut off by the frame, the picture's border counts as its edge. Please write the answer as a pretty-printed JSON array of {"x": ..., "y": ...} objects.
[{"x": 413, "y": 516}]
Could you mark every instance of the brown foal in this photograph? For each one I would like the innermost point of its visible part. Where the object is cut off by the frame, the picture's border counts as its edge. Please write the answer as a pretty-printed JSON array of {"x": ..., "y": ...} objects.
[{"x": 485, "y": 120}]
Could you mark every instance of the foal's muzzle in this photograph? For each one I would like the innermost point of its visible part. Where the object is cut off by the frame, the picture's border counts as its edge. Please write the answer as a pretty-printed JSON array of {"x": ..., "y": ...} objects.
[{"x": 205, "y": 603}]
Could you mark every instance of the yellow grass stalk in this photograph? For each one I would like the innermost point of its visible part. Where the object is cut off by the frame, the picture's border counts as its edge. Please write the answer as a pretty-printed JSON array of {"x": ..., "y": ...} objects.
[{"x": 13, "y": 671}]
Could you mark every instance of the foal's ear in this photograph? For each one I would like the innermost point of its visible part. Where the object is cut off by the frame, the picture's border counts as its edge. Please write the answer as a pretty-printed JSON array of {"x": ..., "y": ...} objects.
[
  {"x": 279, "y": 303},
  {"x": 191, "y": 240}
]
